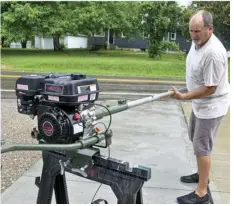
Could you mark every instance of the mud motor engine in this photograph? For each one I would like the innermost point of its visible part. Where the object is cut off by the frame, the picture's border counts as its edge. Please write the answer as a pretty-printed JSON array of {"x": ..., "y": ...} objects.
[{"x": 57, "y": 100}]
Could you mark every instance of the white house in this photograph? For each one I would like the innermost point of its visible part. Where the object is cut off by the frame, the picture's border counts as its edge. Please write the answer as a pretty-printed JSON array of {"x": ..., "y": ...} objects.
[
  {"x": 70, "y": 42},
  {"x": 44, "y": 43},
  {"x": 19, "y": 45}
]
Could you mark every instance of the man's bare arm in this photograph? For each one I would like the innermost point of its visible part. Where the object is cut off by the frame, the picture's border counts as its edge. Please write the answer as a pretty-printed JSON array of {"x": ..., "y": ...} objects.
[{"x": 201, "y": 92}]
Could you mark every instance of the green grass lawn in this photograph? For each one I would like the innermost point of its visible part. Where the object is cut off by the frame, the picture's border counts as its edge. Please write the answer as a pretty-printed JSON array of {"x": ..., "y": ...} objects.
[
  {"x": 114, "y": 62},
  {"x": 126, "y": 63}
]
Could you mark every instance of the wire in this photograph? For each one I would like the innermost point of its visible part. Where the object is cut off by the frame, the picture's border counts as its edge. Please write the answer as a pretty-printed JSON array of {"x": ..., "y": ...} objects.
[
  {"x": 107, "y": 147},
  {"x": 96, "y": 192},
  {"x": 103, "y": 123},
  {"x": 108, "y": 112}
]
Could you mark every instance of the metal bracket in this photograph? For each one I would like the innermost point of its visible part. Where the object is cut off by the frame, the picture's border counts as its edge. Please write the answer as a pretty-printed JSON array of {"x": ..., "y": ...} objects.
[{"x": 63, "y": 165}]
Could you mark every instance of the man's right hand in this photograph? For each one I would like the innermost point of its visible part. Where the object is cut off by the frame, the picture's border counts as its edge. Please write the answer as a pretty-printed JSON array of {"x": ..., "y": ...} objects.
[{"x": 177, "y": 94}]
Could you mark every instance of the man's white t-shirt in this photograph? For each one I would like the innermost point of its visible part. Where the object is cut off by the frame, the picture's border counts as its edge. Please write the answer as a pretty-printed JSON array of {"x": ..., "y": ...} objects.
[{"x": 208, "y": 66}]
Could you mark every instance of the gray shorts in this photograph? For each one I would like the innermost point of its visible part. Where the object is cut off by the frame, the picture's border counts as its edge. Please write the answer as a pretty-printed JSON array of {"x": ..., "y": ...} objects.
[{"x": 202, "y": 133}]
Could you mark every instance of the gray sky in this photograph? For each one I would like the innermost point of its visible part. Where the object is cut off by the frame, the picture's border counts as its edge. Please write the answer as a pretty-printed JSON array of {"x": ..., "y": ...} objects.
[{"x": 184, "y": 2}]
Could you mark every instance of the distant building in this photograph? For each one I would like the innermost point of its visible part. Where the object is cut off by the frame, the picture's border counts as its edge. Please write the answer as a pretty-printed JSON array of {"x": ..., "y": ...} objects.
[
  {"x": 107, "y": 39},
  {"x": 69, "y": 42},
  {"x": 19, "y": 45}
]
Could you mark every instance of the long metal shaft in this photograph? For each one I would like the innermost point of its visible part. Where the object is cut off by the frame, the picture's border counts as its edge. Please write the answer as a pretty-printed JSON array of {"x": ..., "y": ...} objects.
[
  {"x": 102, "y": 112},
  {"x": 51, "y": 147},
  {"x": 149, "y": 99}
]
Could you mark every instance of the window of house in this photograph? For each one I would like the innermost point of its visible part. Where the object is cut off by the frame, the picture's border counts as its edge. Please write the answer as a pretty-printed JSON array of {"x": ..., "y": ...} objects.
[
  {"x": 100, "y": 35},
  {"x": 122, "y": 35},
  {"x": 173, "y": 36},
  {"x": 146, "y": 36}
]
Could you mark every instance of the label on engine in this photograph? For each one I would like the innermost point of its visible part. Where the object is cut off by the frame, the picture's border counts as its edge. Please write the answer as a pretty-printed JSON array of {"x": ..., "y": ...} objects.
[
  {"x": 83, "y": 98},
  {"x": 53, "y": 98},
  {"x": 93, "y": 87},
  {"x": 83, "y": 89},
  {"x": 22, "y": 86},
  {"x": 86, "y": 88},
  {"x": 47, "y": 128},
  {"x": 53, "y": 88},
  {"x": 92, "y": 97},
  {"x": 78, "y": 128}
]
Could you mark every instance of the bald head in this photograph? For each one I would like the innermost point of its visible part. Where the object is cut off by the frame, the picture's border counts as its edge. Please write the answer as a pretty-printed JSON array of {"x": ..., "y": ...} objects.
[
  {"x": 202, "y": 16},
  {"x": 201, "y": 27},
  {"x": 197, "y": 19}
]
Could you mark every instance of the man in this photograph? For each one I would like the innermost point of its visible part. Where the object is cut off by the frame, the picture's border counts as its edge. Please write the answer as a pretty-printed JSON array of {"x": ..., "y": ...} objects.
[{"x": 208, "y": 88}]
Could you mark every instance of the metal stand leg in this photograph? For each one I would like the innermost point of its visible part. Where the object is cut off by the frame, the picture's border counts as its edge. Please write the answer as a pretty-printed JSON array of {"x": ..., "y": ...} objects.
[
  {"x": 139, "y": 199},
  {"x": 45, "y": 188},
  {"x": 60, "y": 189},
  {"x": 128, "y": 195},
  {"x": 131, "y": 198},
  {"x": 51, "y": 179}
]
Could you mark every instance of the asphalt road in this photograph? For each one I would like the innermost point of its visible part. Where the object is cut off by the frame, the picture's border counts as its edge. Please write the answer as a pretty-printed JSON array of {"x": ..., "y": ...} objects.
[{"x": 112, "y": 87}]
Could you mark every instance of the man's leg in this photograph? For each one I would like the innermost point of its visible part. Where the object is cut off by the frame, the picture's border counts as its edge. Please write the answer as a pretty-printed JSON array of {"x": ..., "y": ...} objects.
[
  {"x": 192, "y": 178},
  {"x": 203, "y": 138},
  {"x": 205, "y": 133},
  {"x": 204, "y": 165}
]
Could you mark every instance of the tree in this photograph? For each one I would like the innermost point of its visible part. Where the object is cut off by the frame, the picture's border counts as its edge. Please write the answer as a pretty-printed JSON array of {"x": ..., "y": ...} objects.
[
  {"x": 97, "y": 17},
  {"x": 122, "y": 17},
  {"x": 157, "y": 19},
  {"x": 54, "y": 20},
  {"x": 18, "y": 20},
  {"x": 4, "y": 8},
  {"x": 184, "y": 23},
  {"x": 23, "y": 20},
  {"x": 221, "y": 18}
]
